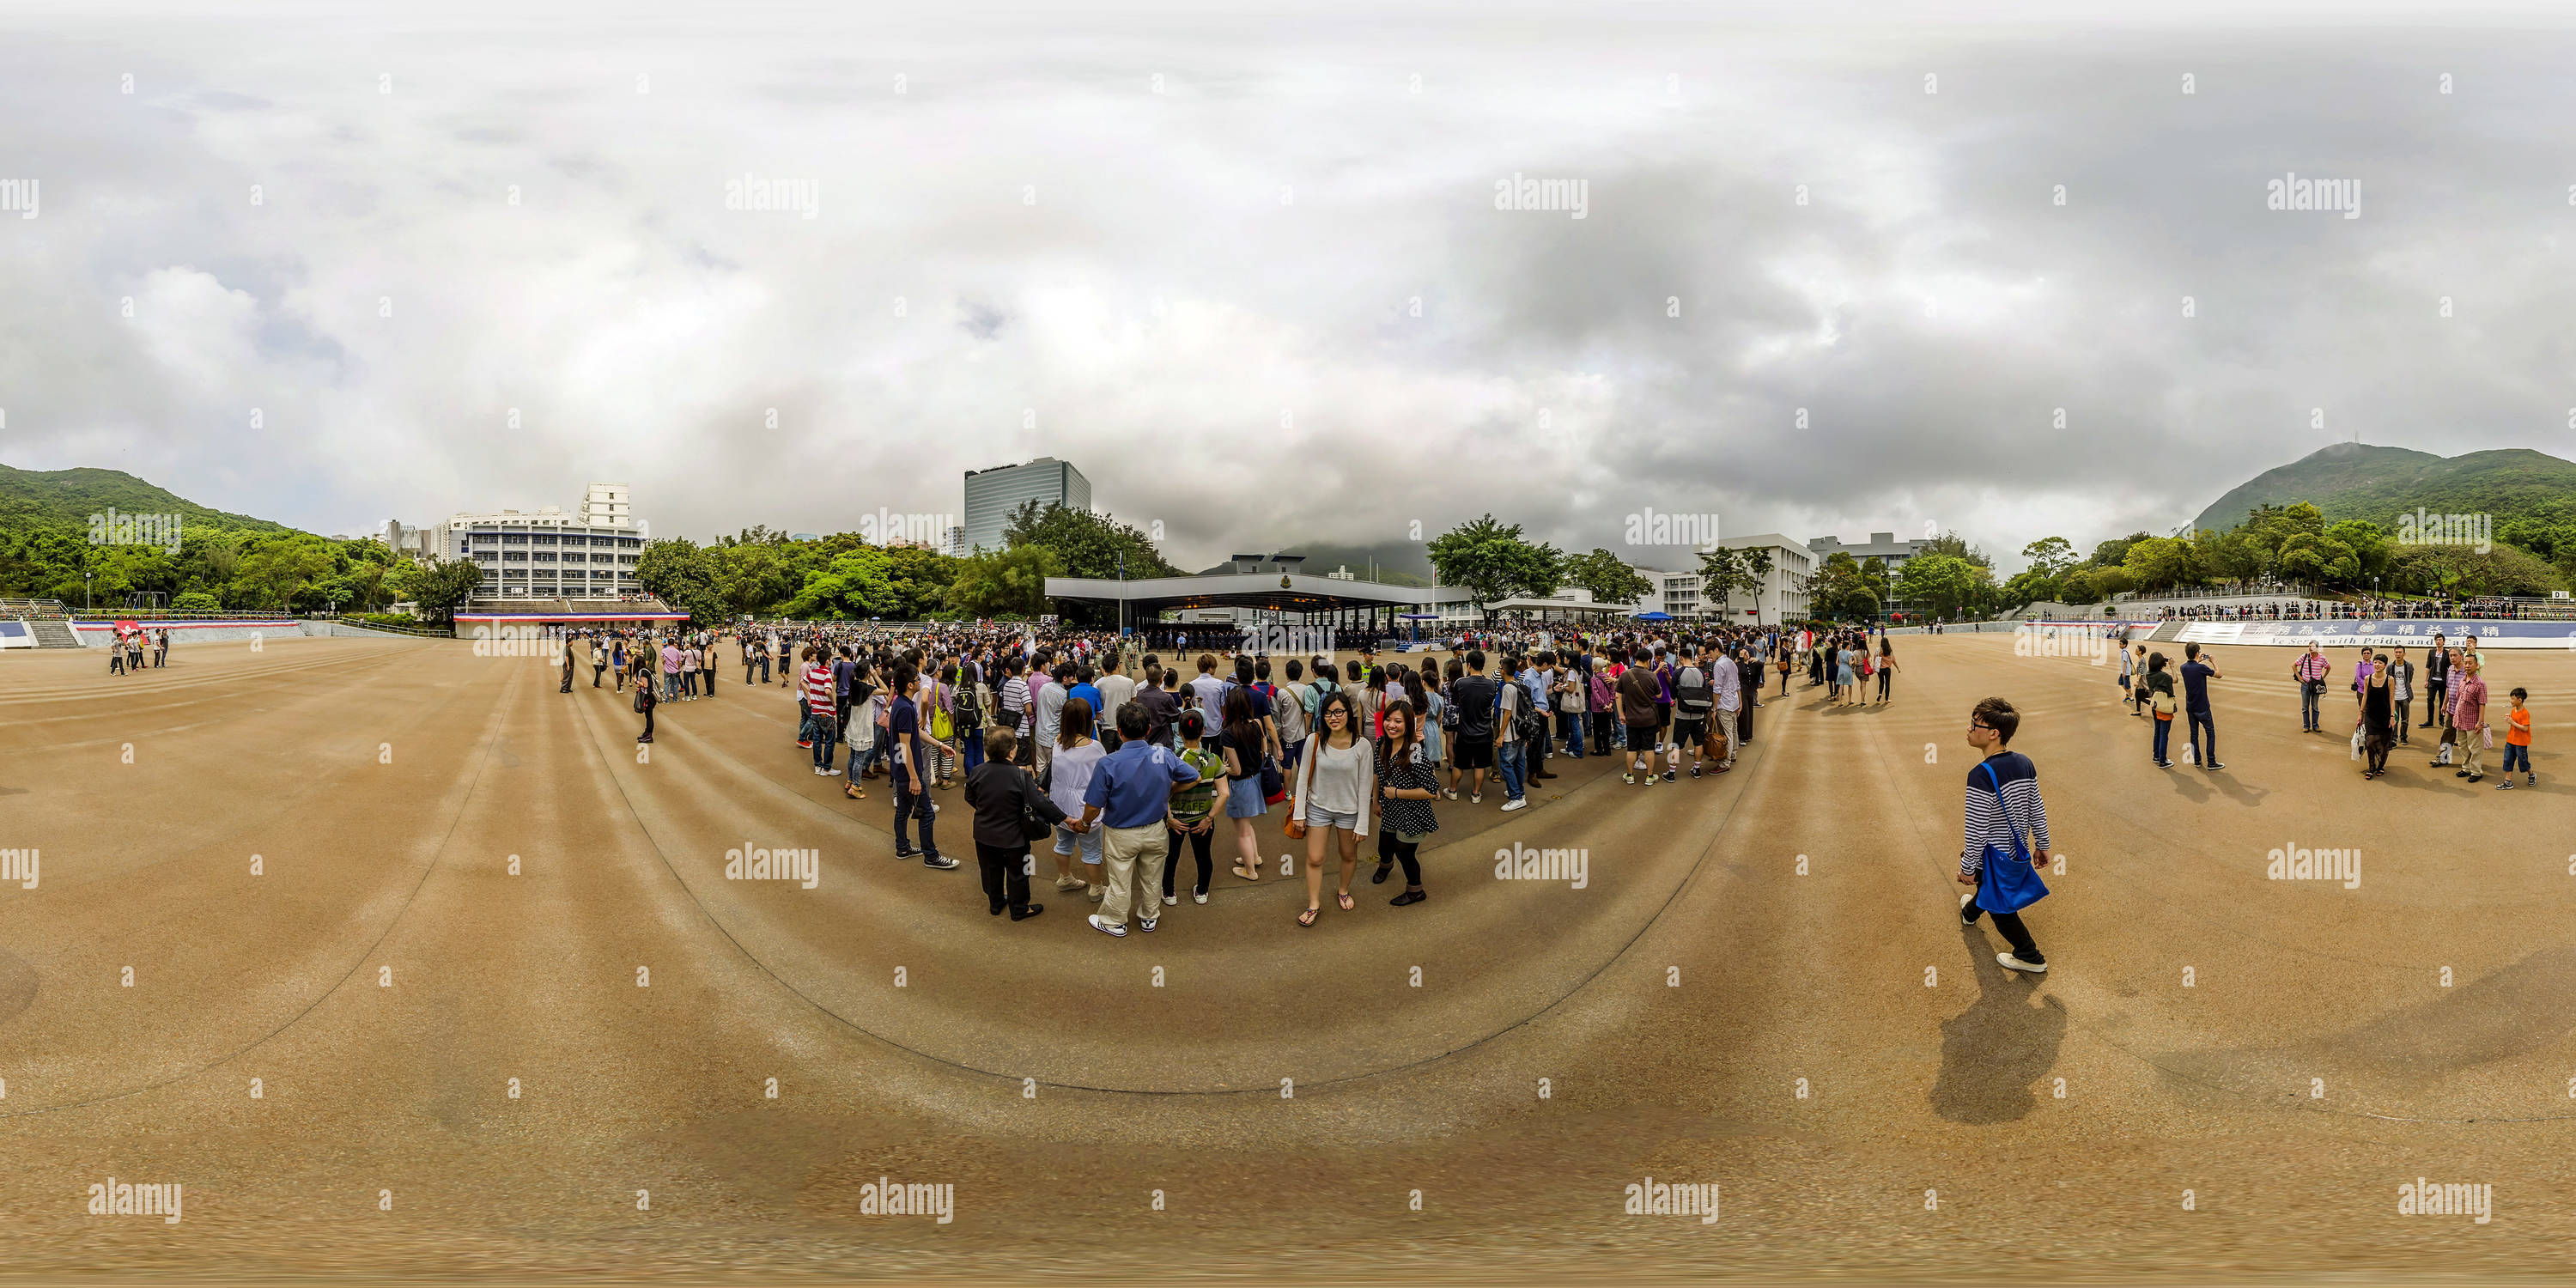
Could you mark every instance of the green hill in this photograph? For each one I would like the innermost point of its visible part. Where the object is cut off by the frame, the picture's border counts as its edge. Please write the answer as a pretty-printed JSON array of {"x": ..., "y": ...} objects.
[
  {"x": 2359, "y": 481},
  {"x": 62, "y": 500}
]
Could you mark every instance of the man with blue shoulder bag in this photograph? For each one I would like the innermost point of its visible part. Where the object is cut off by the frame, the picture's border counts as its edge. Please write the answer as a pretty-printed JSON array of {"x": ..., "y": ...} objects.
[{"x": 2003, "y": 805}]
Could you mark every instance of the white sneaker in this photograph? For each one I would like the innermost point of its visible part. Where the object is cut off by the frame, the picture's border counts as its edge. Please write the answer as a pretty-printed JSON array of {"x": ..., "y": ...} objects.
[
  {"x": 1147, "y": 924},
  {"x": 1097, "y": 893},
  {"x": 1170, "y": 899},
  {"x": 2010, "y": 962},
  {"x": 1515, "y": 803},
  {"x": 1476, "y": 799},
  {"x": 831, "y": 773},
  {"x": 1114, "y": 932},
  {"x": 1198, "y": 896},
  {"x": 819, "y": 771}
]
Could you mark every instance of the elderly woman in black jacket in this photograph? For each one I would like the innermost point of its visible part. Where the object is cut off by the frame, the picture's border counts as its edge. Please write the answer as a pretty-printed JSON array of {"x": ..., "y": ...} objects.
[{"x": 1007, "y": 803}]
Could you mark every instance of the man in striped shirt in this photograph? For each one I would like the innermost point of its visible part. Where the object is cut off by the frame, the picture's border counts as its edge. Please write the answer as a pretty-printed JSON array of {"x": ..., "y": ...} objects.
[
  {"x": 821, "y": 705},
  {"x": 2311, "y": 674},
  {"x": 1994, "y": 816}
]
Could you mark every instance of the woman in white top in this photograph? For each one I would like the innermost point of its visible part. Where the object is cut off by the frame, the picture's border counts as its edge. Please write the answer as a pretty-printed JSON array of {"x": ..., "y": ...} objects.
[
  {"x": 1077, "y": 753},
  {"x": 1336, "y": 781}
]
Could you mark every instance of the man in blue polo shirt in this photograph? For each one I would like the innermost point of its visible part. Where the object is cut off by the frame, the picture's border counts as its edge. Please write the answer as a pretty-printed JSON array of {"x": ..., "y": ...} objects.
[{"x": 1130, "y": 796}]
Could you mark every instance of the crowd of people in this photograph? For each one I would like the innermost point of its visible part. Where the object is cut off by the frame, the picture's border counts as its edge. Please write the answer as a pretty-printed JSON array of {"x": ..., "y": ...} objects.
[
  {"x": 2382, "y": 681},
  {"x": 1121, "y": 760},
  {"x": 125, "y": 652}
]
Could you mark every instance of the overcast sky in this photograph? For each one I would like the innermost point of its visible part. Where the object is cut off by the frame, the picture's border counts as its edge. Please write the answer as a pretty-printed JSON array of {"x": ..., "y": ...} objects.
[{"x": 1185, "y": 252}]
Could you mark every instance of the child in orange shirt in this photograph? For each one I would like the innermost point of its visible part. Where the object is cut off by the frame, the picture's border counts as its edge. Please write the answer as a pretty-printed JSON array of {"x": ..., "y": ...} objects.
[{"x": 2517, "y": 741}]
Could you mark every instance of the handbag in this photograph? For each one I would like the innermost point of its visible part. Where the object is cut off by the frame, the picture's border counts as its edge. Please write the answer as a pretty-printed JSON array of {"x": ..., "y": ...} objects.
[
  {"x": 2164, "y": 705},
  {"x": 1295, "y": 826},
  {"x": 2002, "y": 886},
  {"x": 1032, "y": 826},
  {"x": 1274, "y": 784}
]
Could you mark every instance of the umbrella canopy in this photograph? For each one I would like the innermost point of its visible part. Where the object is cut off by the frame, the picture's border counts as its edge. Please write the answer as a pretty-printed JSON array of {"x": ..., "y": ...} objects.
[
  {"x": 129, "y": 625},
  {"x": 1418, "y": 617},
  {"x": 1654, "y": 617}
]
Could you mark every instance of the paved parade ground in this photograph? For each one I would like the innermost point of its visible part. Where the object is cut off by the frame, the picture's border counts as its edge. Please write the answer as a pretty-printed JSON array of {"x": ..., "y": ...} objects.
[{"x": 507, "y": 1015}]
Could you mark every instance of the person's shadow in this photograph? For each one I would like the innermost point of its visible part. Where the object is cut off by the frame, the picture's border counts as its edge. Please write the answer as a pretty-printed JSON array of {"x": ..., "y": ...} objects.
[{"x": 1993, "y": 1052}]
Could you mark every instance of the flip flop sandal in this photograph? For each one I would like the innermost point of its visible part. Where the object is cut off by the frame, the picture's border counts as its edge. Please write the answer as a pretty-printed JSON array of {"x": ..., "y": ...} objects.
[
  {"x": 1241, "y": 871},
  {"x": 1307, "y": 918},
  {"x": 1344, "y": 898}
]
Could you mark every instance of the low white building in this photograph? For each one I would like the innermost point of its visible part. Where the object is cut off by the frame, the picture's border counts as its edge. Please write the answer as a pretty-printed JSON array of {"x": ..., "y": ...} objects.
[
  {"x": 589, "y": 553},
  {"x": 1780, "y": 597}
]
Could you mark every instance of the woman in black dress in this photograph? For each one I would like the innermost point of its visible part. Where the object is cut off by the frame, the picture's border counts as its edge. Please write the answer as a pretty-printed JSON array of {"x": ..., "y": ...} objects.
[{"x": 2378, "y": 718}]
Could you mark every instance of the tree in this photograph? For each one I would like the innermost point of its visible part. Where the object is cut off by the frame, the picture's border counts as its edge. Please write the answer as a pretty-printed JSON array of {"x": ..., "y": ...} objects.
[
  {"x": 2030, "y": 585},
  {"x": 2050, "y": 557},
  {"x": 437, "y": 585},
  {"x": 1085, "y": 544},
  {"x": 1492, "y": 562},
  {"x": 1724, "y": 573},
  {"x": 195, "y": 601},
  {"x": 1844, "y": 589},
  {"x": 2110, "y": 553},
  {"x": 2077, "y": 588},
  {"x": 675, "y": 571},
  {"x": 750, "y": 575},
  {"x": 1955, "y": 546},
  {"x": 1945, "y": 583},
  {"x": 2159, "y": 563},
  {"x": 1607, "y": 577},
  {"x": 1004, "y": 583},
  {"x": 918, "y": 582},
  {"x": 854, "y": 585},
  {"x": 272, "y": 576}
]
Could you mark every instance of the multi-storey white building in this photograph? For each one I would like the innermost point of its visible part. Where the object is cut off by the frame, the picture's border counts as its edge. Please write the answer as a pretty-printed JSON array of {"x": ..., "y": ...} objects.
[
  {"x": 1779, "y": 598},
  {"x": 547, "y": 553}
]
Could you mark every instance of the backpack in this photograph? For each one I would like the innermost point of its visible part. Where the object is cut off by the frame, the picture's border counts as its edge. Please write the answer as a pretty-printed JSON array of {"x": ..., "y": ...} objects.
[
  {"x": 1525, "y": 724},
  {"x": 969, "y": 715},
  {"x": 1692, "y": 697},
  {"x": 1600, "y": 692}
]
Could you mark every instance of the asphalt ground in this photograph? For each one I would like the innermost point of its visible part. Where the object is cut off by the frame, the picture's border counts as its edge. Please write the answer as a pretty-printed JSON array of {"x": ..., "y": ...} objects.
[{"x": 1762, "y": 984}]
